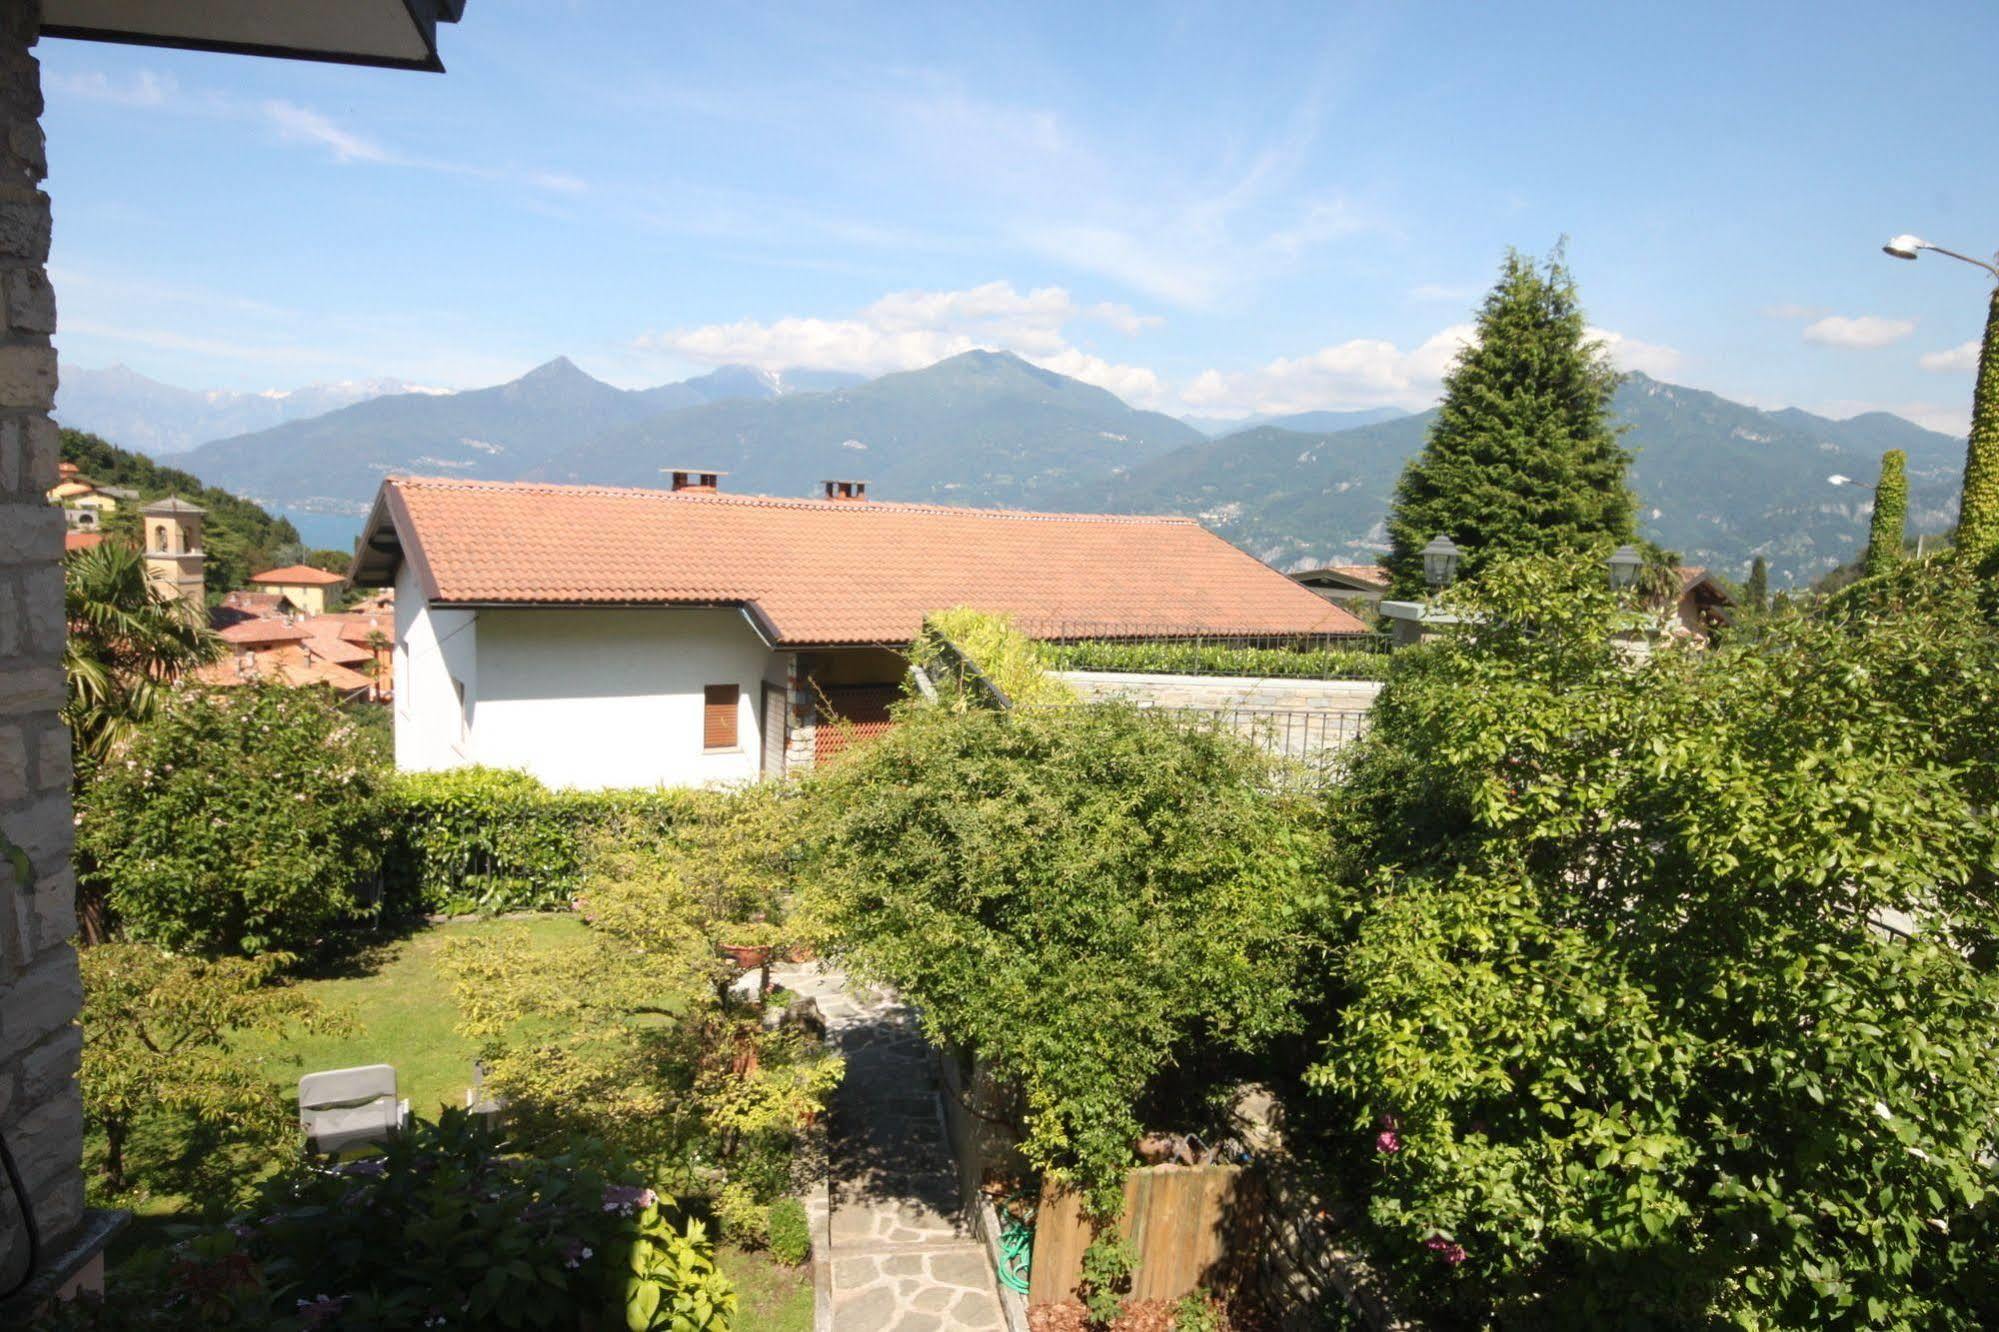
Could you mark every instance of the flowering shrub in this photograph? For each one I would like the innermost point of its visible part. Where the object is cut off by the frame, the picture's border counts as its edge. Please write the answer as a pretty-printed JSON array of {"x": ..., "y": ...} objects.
[
  {"x": 236, "y": 820},
  {"x": 1665, "y": 991},
  {"x": 443, "y": 1230}
]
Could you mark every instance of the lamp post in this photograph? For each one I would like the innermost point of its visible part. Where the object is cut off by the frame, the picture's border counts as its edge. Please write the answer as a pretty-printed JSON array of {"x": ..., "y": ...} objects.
[
  {"x": 1978, "y": 511},
  {"x": 1440, "y": 561},
  {"x": 1624, "y": 567}
]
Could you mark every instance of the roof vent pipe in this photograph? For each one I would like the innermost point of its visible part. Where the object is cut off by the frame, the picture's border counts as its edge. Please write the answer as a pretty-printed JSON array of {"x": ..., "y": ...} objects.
[
  {"x": 695, "y": 480},
  {"x": 852, "y": 491}
]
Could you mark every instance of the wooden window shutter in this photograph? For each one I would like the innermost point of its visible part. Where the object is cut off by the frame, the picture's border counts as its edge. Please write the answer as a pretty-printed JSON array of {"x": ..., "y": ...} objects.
[{"x": 718, "y": 716}]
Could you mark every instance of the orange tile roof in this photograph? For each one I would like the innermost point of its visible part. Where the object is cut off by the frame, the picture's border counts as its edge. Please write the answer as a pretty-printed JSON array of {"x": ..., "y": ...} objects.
[
  {"x": 251, "y": 632},
  {"x": 285, "y": 665},
  {"x": 331, "y": 647},
  {"x": 297, "y": 575},
  {"x": 81, "y": 541},
  {"x": 831, "y": 572}
]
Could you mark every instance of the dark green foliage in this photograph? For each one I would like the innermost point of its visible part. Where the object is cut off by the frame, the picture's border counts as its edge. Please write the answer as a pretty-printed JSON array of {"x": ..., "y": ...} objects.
[
  {"x": 1081, "y": 896},
  {"x": 1316, "y": 663},
  {"x": 1978, "y": 511},
  {"x": 238, "y": 820},
  {"x": 1523, "y": 458},
  {"x": 238, "y": 537},
  {"x": 1108, "y": 1265},
  {"x": 1619, "y": 1041},
  {"x": 1756, "y": 592},
  {"x": 445, "y": 1228},
  {"x": 1891, "y": 514},
  {"x": 790, "y": 1232},
  {"x": 485, "y": 840}
]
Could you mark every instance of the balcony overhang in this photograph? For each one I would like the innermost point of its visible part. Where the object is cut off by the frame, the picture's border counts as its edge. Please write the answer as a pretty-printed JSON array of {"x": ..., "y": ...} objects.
[{"x": 393, "y": 34}]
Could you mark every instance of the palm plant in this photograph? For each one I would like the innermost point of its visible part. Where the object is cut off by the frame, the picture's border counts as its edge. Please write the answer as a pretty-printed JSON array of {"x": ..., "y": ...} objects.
[{"x": 127, "y": 640}]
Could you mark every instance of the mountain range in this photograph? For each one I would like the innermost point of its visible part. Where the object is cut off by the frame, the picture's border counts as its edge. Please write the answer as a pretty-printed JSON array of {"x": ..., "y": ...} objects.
[
  {"x": 1718, "y": 481},
  {"x": 158, "y": 419}
]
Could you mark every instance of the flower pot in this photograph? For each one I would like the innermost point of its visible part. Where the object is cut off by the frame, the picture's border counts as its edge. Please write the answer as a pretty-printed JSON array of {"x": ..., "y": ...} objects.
[{"x": 748, "y": 956}]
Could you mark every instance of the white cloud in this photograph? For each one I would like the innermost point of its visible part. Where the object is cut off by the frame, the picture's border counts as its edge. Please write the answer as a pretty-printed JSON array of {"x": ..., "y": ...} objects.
[
  {"x": 144, "y": 89},
  {"x": 906, "y": 330},
  {"x": 1964, "y": 356},
  {"x": 1363, "y": 372},
  {"x": 304, "y": 125},
  {"x": 1631, "y": 354},
  {"x": 1861, "y": 331}
]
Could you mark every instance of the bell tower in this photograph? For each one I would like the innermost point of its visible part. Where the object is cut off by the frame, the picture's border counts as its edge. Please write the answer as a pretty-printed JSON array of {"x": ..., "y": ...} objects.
[{"x": 172, "y": 532}]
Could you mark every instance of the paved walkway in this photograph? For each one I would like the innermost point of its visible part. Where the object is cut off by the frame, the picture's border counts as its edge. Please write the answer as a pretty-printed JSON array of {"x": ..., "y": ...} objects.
[{"x": 899, "y": 1258}]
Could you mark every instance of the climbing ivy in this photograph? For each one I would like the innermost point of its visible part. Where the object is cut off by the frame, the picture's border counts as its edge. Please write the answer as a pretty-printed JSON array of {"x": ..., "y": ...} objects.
[
  {"x": 1978, "y": 515},
  {"x": 1891, "y": 512}
]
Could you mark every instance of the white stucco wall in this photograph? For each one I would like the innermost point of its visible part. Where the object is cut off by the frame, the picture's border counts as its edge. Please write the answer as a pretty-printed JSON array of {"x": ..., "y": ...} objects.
[
  {"x": 583, "y": 698},
  {"x": 433, "y": 648}
]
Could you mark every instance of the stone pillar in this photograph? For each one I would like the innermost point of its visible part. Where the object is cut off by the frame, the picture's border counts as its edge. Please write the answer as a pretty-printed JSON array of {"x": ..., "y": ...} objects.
[
  {"x": 801, "y": 739},
  {"x": 41, "y": 1111}
]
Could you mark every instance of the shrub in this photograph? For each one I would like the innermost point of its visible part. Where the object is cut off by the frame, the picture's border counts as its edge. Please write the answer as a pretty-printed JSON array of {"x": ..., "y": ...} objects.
[
  {"x": 790, "y": 1232},
  {"x": 158, "y": 1039},
  {"x": 1626, "y": 1036},
  {"x": 1314, "y": 663},
  {"x": 237, "y": 820},
  {"x": 1016, "y": 664},
  {"x": 442, "y": 1229},
  {"x": 1108, "y": 1265},
  {"x": 1196, "y": 1312},
  {"x": 1081, "y": 896},
  {"x": 488, "y": 840}
]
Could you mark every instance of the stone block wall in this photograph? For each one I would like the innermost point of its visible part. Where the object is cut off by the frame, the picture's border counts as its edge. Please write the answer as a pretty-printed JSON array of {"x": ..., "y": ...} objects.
[{"x": 41, "y": 1112}]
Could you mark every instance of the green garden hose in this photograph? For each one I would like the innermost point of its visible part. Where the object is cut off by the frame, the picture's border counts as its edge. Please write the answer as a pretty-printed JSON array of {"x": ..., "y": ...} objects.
[{"x": 1016, "y": 1247}]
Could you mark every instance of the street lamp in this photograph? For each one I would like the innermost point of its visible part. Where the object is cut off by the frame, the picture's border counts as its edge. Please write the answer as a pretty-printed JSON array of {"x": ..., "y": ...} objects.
[
  {"x": 1908, "y": 247},
  {"x": 1624, "y": 567},
  {"x": 1440, "y": 561}
]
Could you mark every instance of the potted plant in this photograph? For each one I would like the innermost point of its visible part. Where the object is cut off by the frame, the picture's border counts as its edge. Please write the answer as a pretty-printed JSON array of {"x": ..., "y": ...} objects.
[{"x": 751, "y": 944}]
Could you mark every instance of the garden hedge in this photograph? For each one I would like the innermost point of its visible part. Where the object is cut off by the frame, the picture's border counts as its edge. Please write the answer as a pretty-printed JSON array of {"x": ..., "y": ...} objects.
[{"x": 486, "y": 840}]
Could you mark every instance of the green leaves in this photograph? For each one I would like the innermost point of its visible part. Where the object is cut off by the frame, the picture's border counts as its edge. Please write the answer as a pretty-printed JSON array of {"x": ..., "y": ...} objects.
[
  {"x": 1082, "y": 897},
  {"x": 1627, "y": 993}
]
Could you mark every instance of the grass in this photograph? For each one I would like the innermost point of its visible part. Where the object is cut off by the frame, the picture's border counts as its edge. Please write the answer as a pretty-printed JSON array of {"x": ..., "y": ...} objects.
[
  {"x": 400, "y": 1011},
  {"x": 774, "y": 1298}
]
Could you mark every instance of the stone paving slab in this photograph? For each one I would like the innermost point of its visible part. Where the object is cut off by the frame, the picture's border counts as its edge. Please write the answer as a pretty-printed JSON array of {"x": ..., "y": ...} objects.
[{"x": 900, "y": 1257}]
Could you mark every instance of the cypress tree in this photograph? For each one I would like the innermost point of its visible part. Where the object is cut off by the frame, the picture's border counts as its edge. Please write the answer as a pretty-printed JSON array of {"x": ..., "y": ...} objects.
[
  {"x": 1891, "y": 513},
  {"x": 1978, "y": 512},
  {"x": 1756, "y": 592},
  {"x": 1523, "y": 457}
]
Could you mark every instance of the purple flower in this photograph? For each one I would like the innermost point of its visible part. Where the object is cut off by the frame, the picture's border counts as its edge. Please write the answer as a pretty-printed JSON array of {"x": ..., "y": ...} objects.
[
  {"x": 1387, "y": 1141},
  {"x": 628, "y": 1198},
  {"x": 575, "y": 1252},
  {"x": 1450, "y": 1251},
  {"x": 320, "y": 1311}
]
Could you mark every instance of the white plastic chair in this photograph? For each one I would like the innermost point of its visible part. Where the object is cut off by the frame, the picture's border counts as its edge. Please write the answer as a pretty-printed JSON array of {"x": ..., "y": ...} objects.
[{"x": 350, "y": 1107}]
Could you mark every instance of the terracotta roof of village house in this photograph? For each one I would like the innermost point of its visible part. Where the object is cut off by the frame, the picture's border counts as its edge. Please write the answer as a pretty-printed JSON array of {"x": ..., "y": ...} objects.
[
  {"x": 297, "y": 575},
  {"x": 1371, "y": 574},
  {"x": 827, "y": 572}
]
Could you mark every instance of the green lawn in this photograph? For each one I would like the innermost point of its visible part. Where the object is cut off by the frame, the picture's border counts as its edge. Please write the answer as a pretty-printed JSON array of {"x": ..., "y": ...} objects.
[{"x": 400, "y": 1011}]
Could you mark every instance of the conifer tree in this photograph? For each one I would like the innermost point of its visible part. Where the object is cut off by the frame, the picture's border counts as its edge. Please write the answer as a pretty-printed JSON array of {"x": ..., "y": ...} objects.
[
  {"x": 1523, "y": 458},
  {"x": 1756, "y": 592},
  {"x": 1978, "y": 514},
  {"x": 1891, "y": 513}
]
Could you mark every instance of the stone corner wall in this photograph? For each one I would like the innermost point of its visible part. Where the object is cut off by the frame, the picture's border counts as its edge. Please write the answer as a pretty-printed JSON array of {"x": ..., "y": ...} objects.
[{"x": 41, "y": 1110}]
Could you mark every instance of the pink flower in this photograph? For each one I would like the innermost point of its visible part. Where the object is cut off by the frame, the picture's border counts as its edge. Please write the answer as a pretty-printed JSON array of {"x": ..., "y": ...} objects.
[
  {"x": 1387, "y": 1141},
  {"x": 628, "y": 1198}
]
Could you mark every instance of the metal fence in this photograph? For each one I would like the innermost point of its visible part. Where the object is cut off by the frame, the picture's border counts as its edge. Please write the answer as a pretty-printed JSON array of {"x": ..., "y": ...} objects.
[{"x": 1307, "y": 743}]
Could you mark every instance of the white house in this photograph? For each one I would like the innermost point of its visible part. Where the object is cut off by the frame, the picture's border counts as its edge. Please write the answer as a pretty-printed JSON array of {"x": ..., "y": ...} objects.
[{"x": 608, "y": 637}]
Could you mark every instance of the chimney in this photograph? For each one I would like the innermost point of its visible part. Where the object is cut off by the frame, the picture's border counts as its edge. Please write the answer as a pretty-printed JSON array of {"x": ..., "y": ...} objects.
[
  {"x": 855, "y": 492},
  {"x": 695, "y": 480}
]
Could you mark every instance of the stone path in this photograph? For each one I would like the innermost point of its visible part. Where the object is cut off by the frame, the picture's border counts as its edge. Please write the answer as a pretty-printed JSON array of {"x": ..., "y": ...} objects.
[{"x": 898, "y": 1255}]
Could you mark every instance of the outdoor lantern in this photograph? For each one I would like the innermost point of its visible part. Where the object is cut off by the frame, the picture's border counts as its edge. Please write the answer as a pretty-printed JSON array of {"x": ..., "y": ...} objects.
[
  {"x": 1624, "y": 567},
  {"x": 1440, "y": 561}
]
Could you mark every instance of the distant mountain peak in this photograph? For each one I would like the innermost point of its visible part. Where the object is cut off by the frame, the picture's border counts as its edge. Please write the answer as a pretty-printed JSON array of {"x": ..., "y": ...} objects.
[{"x": 555, "y": 370}]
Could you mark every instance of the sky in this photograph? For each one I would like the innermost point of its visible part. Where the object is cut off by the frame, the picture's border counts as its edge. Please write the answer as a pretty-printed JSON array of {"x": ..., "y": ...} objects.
[{"x": 1213, "y": 210}]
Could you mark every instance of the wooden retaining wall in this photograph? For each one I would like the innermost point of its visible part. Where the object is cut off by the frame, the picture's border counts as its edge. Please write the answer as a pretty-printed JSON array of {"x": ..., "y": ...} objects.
[{"x": 1191, "y": 1225}]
